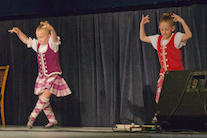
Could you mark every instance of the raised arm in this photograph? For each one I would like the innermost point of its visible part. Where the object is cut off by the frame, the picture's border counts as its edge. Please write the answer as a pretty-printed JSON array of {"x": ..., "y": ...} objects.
[
  {"x": 52, "y": 30},
  {"x": 142, "y": 34},
  {"x": 20, "y": 34},
  {"x": 188, "y": 33}
]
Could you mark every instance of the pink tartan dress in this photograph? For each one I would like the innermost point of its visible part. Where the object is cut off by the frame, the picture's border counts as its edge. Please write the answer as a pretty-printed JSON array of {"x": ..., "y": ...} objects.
[{"x": 49, "y": 74}]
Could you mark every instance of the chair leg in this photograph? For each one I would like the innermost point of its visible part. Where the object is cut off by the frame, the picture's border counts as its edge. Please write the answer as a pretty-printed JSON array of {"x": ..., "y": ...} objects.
[{"x": 2, "y": 115}]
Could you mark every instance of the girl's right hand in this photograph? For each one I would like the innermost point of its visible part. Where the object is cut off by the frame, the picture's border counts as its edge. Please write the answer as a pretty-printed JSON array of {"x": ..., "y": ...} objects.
[
  {"x": 145, "y": 19},
  {"x": 14, "y": 30}
]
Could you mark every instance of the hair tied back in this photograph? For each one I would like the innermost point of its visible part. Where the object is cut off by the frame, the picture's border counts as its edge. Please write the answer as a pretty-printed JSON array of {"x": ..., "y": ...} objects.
[{"x": 167, "y": 14}]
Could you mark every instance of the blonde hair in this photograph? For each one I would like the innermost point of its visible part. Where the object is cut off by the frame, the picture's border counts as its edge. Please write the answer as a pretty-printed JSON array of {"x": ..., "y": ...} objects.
[
  {"x": 167, "y": 17},
  {"x": 40, "y": 28}
]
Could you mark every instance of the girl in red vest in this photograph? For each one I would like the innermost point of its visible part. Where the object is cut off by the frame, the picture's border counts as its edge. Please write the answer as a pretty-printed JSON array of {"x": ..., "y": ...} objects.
[
  {"x": 48, "y": 81},
  {"x": 168, "y": 44}
]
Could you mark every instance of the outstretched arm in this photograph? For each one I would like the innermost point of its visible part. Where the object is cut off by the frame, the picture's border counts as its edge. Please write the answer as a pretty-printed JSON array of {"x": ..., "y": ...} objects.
[
  {"x": 52, "y": 30},
  {"x": 142, "y": 34},
  {"x": 188, "y": 33},
  {"x": 20, "y": 34}
]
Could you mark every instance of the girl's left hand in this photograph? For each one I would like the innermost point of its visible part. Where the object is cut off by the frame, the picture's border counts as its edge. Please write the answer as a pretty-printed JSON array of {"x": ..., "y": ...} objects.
[{"x": 176, "y": 18}]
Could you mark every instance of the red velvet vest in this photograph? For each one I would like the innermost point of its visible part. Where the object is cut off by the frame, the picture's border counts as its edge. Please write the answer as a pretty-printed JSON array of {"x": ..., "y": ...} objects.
[
  {"x": 48, "y": 62},
  {"x": 170, "y": 57}
]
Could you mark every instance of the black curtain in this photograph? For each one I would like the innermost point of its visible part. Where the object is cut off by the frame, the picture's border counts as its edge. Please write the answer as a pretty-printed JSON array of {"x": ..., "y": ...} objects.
[{"x": 111, "y": 73}]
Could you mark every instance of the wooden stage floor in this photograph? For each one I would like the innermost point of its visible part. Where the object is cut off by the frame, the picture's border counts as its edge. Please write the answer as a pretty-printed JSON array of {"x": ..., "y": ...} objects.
[{"x": 88, "y": 132}]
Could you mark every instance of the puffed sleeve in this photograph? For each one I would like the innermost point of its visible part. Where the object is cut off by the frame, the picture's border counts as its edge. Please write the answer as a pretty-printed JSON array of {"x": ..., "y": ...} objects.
[
  {"x": 177, "y": 41},
  {"x": 32, "y": 44},
  {"x": 54, "y": 46},
  {"x": 154, "y": 39}
]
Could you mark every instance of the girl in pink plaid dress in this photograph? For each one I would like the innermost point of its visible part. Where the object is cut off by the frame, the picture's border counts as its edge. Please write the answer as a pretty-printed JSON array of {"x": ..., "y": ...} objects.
[
  {"x": 168, "y": 44},
  {"x": 48, "y": 81}
]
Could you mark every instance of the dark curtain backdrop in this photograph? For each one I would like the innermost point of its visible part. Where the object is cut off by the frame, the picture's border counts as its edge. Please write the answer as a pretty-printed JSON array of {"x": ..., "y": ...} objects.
[{"x": 111, "y": 73}]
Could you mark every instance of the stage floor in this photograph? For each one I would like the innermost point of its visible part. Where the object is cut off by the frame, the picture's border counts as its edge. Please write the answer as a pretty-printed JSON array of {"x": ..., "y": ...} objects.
[{"x": 88, "y": 132}]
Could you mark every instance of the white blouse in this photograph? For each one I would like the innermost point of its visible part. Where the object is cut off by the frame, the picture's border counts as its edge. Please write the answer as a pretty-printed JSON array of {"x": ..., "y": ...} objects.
[
  {"x": 177, "y": 41},
  {"x": 43, "y": 48}
]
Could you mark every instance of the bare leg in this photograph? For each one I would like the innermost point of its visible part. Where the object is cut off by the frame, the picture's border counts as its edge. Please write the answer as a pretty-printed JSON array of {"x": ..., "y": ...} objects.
[{"x": 46, "y": 94}]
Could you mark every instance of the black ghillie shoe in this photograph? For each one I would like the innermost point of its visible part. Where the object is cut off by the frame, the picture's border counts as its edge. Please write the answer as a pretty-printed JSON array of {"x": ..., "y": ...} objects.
[
  {"x": 29, "y": 124},
  {"x": 154, "y": 120},
  {"x": 50, "y": 125}
]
